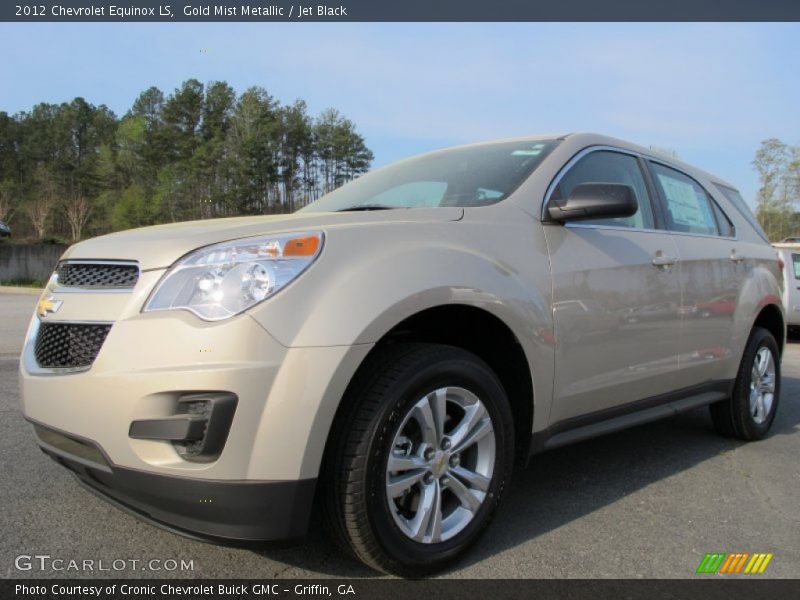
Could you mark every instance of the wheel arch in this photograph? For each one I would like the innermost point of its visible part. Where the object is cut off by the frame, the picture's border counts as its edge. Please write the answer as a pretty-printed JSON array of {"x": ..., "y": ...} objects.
[
  {"x": 473, "y": 329},
  {"x": 770, "y": 317}
]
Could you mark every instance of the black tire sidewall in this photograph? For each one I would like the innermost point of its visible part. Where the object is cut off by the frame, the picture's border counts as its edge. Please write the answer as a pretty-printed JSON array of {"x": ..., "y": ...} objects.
[{"x": 463, "y": 371}]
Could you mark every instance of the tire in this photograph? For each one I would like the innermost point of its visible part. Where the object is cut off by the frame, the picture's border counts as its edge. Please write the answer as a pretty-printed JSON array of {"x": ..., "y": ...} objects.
[
  {"x": 380, "y": 423},
  {"x": 738, "y": 417}
]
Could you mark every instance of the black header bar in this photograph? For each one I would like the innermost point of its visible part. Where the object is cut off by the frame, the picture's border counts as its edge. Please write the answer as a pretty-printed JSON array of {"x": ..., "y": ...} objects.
[
  {"x": 398, "y": 11},
  {"x": 706, "y": 587}
]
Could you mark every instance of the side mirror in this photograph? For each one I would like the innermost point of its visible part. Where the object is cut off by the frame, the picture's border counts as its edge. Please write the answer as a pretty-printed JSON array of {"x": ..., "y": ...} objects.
[{"x": 595, "y": 201}]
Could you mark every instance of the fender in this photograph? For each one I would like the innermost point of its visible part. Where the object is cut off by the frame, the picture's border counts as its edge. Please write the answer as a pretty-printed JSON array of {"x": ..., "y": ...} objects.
[
  {"x": 759, "y": 289},
  {"x": 354, "y": 298}
]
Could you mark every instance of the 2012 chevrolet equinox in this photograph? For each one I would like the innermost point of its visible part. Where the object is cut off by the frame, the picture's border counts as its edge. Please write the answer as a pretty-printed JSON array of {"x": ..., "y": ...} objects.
[{"x": 394, "y": 348}]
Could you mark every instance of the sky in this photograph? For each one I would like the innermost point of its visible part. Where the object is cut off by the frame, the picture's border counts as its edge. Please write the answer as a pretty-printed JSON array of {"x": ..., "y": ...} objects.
[{"x": 709, "y": 92}]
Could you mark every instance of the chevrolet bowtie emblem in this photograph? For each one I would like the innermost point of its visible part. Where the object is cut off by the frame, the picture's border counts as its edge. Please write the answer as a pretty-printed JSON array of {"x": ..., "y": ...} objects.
[{"x": 48, "y": 306}]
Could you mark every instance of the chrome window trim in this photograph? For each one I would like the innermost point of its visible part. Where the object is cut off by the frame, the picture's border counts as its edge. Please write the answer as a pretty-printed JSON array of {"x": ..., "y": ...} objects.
[
  {"x": 94, "y": 289},
  {"x": 29, "y": 351},
  {"x": 600, "y": 148},
  {"x": 705, "y": 235},
  {"x": 614, "y": 228},
  {"x": 645, "y": 230}
]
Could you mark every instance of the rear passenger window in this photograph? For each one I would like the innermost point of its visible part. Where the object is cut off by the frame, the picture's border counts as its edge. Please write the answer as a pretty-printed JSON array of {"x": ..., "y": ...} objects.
[
  {"x": 689, "y": 209},
  {"x": 605, "y": 166},
  {"x": 796, "y": 264}
]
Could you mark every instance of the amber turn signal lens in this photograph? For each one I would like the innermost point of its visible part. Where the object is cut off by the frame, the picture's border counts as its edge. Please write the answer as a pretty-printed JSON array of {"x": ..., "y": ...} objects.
[{"x": 304, "y": 246}]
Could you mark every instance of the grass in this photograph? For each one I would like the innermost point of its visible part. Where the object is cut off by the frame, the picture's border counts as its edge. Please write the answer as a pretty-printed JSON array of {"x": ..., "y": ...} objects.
[{"x": 35, "y": 283}]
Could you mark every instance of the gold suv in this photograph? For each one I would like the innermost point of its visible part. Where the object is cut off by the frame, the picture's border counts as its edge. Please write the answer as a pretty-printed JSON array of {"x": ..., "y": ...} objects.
[{"x": 395, "y": 348}]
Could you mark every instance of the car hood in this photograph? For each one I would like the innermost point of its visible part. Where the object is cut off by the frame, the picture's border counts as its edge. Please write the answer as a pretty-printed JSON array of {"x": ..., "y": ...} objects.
[{"x": 159, "y": 246}]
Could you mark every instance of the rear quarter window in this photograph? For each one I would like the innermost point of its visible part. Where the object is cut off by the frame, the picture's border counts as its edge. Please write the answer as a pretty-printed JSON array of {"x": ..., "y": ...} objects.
[{"x": 735, "y": 198}]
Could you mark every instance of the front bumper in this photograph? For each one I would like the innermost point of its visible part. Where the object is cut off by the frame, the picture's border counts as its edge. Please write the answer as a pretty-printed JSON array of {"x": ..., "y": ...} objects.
[
  {"x": 287, "y": 397},
  {"x": 261, "y": 484},
  {"x": 211, "y": 510}
]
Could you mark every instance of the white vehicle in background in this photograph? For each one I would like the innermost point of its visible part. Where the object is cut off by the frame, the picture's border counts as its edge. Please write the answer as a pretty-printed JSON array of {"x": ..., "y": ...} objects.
[{"x": 789, "y": 253}]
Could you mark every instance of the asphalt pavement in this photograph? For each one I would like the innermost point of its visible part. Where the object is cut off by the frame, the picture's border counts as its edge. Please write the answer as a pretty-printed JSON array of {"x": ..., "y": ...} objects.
[
  {"x": 15, "y": 314},
  {"x": 643, "y": 503}
]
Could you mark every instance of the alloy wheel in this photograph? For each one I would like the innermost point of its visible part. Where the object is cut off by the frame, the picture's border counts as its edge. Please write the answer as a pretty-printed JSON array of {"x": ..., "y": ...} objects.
[
  {"x": 762, "y": 385},
  {"x": 440, "y": 465}
]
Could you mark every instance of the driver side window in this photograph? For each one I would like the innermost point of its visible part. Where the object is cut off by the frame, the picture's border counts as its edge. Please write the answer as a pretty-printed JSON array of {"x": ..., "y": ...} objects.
[{"x": 605, "y": 166}]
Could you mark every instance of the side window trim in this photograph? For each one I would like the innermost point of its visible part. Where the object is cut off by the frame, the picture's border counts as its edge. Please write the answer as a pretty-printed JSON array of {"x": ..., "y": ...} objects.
[
  {"x": 662, "y": 201},
  {"x": 551, "y": 188}
]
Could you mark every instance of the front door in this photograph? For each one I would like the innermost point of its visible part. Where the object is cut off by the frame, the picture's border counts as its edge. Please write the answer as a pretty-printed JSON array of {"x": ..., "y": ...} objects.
[{"x": 616, "y": 298}]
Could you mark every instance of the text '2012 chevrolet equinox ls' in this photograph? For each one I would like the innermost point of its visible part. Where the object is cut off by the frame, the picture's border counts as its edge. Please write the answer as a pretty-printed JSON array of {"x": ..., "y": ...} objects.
[{"x": 397, "y": 346}]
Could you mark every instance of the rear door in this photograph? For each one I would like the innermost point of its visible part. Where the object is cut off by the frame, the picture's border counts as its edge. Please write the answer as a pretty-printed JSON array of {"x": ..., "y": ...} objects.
[
  {"x": 713, "y": 266},
  {"x": 616, "y": 296}
]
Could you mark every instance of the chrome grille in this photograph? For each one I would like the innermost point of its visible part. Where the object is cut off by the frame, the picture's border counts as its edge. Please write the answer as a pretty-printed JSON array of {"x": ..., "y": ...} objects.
[
  {"x": 69, "y": 345},
  {"x": 97, "y": 274}
]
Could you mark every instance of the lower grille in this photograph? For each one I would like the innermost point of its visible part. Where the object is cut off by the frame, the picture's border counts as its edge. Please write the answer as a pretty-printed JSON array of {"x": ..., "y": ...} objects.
[{"x": 69, "y": 345}]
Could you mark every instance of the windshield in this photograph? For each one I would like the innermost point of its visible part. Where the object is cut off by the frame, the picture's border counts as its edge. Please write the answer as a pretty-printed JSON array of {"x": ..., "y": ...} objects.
[{"x": 468, "y": 176}]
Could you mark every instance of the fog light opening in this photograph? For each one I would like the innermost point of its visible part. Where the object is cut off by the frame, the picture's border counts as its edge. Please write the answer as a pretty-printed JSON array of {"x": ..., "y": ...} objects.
[
  {"x": 216, "y": 410},
  {"x": 199, "y": 428}
]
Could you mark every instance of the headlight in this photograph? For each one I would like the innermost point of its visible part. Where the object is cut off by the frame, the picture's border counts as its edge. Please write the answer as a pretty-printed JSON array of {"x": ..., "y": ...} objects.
[{"x": 219, "y": 281}]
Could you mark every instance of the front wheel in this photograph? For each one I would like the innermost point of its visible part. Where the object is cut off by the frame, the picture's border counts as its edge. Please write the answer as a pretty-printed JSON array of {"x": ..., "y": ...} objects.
[
  {"x": 749, "y": 412},
  {"x": 422, "y": 460}
]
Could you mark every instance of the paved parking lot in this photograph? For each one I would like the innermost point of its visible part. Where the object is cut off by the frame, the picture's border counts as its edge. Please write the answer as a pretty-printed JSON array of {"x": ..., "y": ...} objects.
[
  {"x": 15, "y": 313},
  {"x": 648, "y": 502}
]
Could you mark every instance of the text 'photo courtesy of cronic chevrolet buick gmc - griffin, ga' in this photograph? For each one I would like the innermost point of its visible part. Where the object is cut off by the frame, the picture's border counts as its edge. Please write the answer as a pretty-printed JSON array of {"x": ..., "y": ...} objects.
[{"x": 389, "y": 354}]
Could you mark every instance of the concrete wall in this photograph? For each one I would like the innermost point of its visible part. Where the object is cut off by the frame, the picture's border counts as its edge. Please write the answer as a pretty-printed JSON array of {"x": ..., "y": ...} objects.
[{"x": 29, "y": 261}]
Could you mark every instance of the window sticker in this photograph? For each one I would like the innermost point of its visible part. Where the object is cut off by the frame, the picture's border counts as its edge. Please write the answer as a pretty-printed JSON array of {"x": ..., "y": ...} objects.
[
  {"x": 534, "y": 150},
  {"x": 685, "y": 203}
]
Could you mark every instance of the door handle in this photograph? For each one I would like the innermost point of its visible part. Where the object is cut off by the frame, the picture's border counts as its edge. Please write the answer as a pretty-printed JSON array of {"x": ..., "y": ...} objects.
[
  {"x": 662, "y": 260},
  {"x": 737, "y": 258}
]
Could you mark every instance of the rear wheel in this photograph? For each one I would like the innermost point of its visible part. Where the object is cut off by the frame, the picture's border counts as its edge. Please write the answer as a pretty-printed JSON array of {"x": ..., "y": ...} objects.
[
  {"x": 749, "y": 412},
  {"x": 422, "y": 459}
]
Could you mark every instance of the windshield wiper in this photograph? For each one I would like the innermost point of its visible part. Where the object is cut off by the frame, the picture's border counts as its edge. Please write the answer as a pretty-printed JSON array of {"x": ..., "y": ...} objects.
[{"x": 359, "y": 207}]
